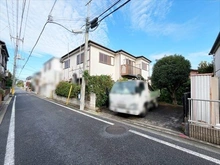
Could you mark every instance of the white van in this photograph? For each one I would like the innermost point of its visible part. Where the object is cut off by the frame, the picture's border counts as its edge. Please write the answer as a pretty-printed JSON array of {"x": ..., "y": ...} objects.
[{"x": 132, "y": 97}]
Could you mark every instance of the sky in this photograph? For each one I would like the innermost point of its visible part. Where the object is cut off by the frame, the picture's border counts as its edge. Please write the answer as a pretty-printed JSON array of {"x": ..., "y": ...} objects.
[{"x": 150, "y": 28}]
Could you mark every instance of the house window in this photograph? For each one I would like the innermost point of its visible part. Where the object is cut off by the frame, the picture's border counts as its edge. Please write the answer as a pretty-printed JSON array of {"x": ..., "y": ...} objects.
[
  {"x": 80, "y": 58},
  {"x": 67, "y": 64},
  {"x": 105, "y": 59},
  {"x": 144, "y": 66},
  {"x": 129, "y": 62}
]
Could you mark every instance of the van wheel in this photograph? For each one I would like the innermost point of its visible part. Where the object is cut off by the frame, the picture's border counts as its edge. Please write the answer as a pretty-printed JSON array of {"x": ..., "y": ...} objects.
[
  {"x": 144, "y": 113},
  {"x": 155, "y": 103}
]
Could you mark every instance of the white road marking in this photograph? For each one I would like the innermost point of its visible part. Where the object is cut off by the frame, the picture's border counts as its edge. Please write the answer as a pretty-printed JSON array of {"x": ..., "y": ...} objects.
[
  {"x": 177, "y": 147},
  {"x": 10, "y": 146},
  {"x": 104, "y": 121}
]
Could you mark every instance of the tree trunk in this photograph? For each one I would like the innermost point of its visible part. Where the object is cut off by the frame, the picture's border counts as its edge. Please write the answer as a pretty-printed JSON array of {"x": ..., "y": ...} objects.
[{"x": 173, "y": 96}]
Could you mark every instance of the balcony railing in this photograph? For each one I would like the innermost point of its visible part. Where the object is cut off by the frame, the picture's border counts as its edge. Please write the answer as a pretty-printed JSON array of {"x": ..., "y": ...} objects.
[{"x": 130, "y": 70}]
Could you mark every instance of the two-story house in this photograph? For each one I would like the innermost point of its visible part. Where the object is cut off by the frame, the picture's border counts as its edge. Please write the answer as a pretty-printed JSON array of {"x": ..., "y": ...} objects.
[
  {"x": 3, "y": 63},
  {"x": 50, "y": 76},
  {"x": 103, "y": 61}
]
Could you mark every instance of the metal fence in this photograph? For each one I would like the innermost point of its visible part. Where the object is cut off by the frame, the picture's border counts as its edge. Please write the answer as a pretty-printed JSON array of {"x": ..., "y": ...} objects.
[{"x": 204, "y": 112}]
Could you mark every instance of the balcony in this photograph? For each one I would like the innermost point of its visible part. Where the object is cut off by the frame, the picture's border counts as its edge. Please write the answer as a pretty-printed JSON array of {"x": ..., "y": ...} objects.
[{"x": 130, "y": 71}]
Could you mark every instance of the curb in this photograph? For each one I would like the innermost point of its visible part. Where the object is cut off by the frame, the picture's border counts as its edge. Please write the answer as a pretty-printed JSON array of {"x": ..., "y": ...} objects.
[{"x": 3, "y": 108}]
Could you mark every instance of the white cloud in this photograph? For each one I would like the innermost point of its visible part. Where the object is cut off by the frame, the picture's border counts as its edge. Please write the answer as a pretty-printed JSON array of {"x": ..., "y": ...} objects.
[
  {"x": 150, "y": 16},
  {"x": 198, "y": 54},
  {"x": 54, "y": 40},
  {"x": 158, "y": 56},
  {"x": 194, "y": 57}
]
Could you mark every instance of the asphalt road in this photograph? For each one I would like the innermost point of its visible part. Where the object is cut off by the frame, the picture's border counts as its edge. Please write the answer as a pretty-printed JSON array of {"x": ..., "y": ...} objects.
[{"x": 46, "y": 133}]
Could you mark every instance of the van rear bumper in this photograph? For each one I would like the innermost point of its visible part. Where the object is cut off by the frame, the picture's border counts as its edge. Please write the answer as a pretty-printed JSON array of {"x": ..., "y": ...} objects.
[{"x": 126, "y": 111}]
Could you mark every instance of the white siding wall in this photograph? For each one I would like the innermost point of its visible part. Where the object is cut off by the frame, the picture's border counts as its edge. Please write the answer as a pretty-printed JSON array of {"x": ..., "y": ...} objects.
[
  {"x": 67, "y": 73},
  {"x": 50, "y": 77},
  {"x": 117, "y": 67},
  {"x": 124, "y": 57},
  {"x": 98, "y": 68},
  {"x": 217, "y": 67},
  {"x": 217, "y": 62},
  {"x": 145, "y": 73}
]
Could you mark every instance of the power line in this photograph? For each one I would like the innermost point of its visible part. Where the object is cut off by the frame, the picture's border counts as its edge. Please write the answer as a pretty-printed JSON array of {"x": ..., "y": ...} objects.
[
  {"x": 109, "y": 8},
  {"x": 8, "y": 19},
  {"x": 26, "y": 18},
  {"x": 60, "y": 25},
  {"x": 38, "y": 37},
  {"x": 33, "y": 47},
  {"x": 22, "y": 16},
  {"x": 17, "y": 18},
  {"x": 52, "y": 7},
  {"x": 114, "y": 10},
  {"x": 13, "y": 18}
]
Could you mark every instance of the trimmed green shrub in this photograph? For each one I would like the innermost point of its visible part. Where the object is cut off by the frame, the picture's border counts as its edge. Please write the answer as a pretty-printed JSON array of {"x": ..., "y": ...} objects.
[
  {"x": 63, "y": 88},
  {"x": 100, "y": 85}
]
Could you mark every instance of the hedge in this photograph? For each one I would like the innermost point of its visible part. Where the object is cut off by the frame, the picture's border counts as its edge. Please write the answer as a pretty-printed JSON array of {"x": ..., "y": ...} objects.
[
  {"x": 63, "y": 88},
  {"x": 100, "y": 85}
]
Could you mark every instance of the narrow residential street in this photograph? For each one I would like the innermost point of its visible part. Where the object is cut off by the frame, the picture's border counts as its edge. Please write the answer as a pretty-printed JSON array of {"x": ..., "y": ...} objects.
[{"x": 36, "y": 131}]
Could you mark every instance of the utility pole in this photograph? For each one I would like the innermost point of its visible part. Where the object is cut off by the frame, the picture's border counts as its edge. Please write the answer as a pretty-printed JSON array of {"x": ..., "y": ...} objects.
[
  {"x": 14, "y": 67},
  {"x": 83, "y": 86}
]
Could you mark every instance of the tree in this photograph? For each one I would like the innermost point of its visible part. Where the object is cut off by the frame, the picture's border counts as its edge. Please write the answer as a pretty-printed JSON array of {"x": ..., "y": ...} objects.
[
  {"x": 171, "y": 72},
  {"x": 205, "y": 67},
  {"x": 20, "y": 83}
]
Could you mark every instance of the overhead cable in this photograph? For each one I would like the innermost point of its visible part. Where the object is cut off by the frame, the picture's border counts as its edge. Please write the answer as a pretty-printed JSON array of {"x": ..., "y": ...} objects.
[
  {"x": 22, "y": 16},
  {"x": 38, "y": 38},
  {"x": 33, "y": 47},
  {"x": 114, "y": 10},
  {"x": 109, "y": 8}
]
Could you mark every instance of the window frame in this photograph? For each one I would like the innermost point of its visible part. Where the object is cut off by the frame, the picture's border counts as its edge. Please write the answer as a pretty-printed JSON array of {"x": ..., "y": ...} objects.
[
  {"x": 144, "y": 66},
  {"x": 106, "y": 59},
  {"x": 80, "y": 59},
  {"x": 67, "y": 64}
]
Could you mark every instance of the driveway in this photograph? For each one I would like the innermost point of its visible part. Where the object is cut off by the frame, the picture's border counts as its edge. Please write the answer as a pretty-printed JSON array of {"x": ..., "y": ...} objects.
[{"x": 165, "y": 116}]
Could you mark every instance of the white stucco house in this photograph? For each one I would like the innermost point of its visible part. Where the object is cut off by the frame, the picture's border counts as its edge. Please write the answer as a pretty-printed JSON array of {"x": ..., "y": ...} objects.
[
  {"x": 50, "y": 76},
  {"x": 103, "y": 61},
  {"x": 215, "y": 51}
]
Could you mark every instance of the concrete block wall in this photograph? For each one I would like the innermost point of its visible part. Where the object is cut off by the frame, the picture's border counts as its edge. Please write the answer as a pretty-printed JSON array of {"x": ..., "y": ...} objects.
[
  {"x": 88, "y": 104},
  {"x": 207, "y": 134}
]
